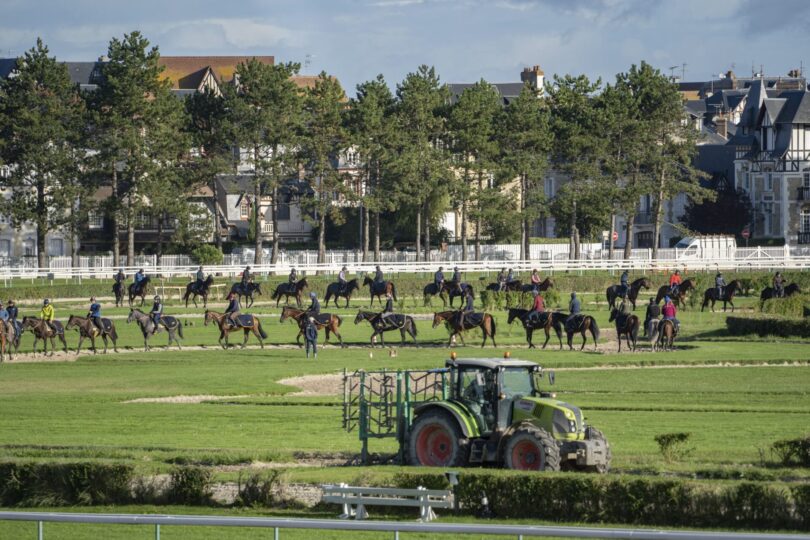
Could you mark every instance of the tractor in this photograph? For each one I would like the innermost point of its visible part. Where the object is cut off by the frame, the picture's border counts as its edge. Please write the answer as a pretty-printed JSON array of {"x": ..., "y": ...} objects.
[{"x": 495, "y": 413}]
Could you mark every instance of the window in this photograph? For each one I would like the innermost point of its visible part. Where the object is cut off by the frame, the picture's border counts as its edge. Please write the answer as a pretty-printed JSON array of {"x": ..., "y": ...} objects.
[
  {"x": 768, "y": 181},
  {"x": 244, "y": 208},
  {"x": 5, "y": 172},
  {"x": 806, "y": 180},
  {"x": 746, "y": 177},
  {"x": 644, "y": 239},
  {"x": 549, "y": 187},
  {"x": 5, "y": 248},
  {"x": 95, "y": 220},
  {"x": 29, "y": 248},
  {"x": 804, "y": 224},
  {"x": 56, "y": 247},
  {"x": 283, "y": 212},
  {"x": 517, "y": 382},
  {"x": 352, "y": 158}
]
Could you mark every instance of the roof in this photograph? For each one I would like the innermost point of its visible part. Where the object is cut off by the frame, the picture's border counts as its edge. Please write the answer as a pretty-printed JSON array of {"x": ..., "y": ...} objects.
[
  {"x": 507, "y": 91},
  {"x": 186, "y": 72},
  {"x": 239, "y": 184},
  {"x": 490, "y": 363}
]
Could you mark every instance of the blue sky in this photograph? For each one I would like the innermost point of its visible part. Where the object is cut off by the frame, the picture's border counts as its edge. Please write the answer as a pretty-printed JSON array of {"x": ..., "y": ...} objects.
[{"x": 465, "y": 39}]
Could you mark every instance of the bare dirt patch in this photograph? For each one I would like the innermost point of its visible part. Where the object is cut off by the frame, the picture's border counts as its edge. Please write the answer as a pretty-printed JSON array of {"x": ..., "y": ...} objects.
[
  {"x": 315, "y": 385},
  {"x": 185, "y": 399}
]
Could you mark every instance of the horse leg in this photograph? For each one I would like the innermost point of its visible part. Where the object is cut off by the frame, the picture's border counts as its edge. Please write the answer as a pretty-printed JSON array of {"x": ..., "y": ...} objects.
[
  {"x": 382, "y": 339},
  {"x": 79, "y": 345},
  {"x": 258, "y": 336},
  {"x": 298, "y": 337},
  {"x": 529, "y": 333},
  {"x": 146, "y": 340},
  {"x": 64, "y": 342},
  {"x": 548, "y": 336},
  {"x": 732, "y": 305},
  {"x": 247, "y": 335},
  {"x": 584, "y": 339}
]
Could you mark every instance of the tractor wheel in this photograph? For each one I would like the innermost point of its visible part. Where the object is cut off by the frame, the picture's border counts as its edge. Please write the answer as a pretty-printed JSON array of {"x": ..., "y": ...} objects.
[
  {"x": 437, "y": 441},
  {"x": 593, "y": 434},
  {"x": 532, "y": 448}
]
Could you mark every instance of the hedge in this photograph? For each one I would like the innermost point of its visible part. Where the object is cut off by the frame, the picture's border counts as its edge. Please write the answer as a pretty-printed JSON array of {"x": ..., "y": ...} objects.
[
  {"x": 768, "y": 326},
  {"x": 792, "y": 306},
  {"x": 64, "y": 484},
  {"x": 616, "y": 499}
]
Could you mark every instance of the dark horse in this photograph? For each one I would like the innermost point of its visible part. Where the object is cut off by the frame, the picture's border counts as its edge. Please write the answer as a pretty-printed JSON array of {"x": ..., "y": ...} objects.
[
  {"x": 118, "y": 291},
  {"x": 728, "y": 295},
  {"x": 511, "y": 286},
  {"x": 665, "y": 335},
  {"x": 290, "y": 289},
  {"x": 449, "y": 290},
  {"x": 582, "y": 324},
  {"x": 246, "y": 291},
  {"x": 770, "y": 292},
  {"x": 138, "y": 289},
  {"x": 89, "y": 330},
  {"x": 678, "y": 299},
  {"x": 395, "y": 321},
  {"x": 547, "y": 321},
  {"x": 334, "y": 290},
  {"x": 378, "y": 290},
  {"x": 42, "y": 331},
  {"x": 484, "y": 321},
  {"x": 199, "y": 290},
  {"x": 248, "y": 323},
  {"x": 613, "y": 292},
  {"x": 627, "y": 328},
  {"x": 328, "y": 321},
  {"x": 543, "y": 286}
]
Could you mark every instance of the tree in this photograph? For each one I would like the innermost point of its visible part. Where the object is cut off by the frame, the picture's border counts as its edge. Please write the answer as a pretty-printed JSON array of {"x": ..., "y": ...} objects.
[
  {"x": 472, "y": 126},
  {"x": 41, "y": 120},
  {"x": 323, "y": 140},
  {"x": 525, "y": 141},
  {"x": 421, "y": 162},
  {"x": 370, "y": 126},
  {"x": 728, "y": 213}
]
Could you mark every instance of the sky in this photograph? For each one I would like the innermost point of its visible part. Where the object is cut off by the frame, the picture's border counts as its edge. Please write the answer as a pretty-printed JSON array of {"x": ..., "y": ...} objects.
[{"x": 465, "y": 40}]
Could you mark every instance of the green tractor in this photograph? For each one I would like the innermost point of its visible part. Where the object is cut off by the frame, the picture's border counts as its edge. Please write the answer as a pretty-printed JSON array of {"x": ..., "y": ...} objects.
[{"x": 495, "y": 413}]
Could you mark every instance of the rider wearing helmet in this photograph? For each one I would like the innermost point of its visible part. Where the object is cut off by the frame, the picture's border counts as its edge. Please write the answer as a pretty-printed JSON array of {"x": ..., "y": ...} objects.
[
  {"x": 720, "y": 285},
  {"x": 778, "y": 285},
  {"x": 138, "y": 278},
  {"x": 378, "y": 275},
  {"x": 670, "y": 313},
  {"x": 502, "y": 279},
  {"x": 293, "y": 277},
  {"x": 156, "y": 313},
  {"x": 314, "y": 308},
  {"x": 574, "y": 307},
  {"x": 233, "y": 308},
  {"x": 438, "y": 279},
  {"x": 342, "y": 279},
  {"x": 624, "y": 283},
  {"x": 95, "y": 314},
  {"x": 198, "y": 285},
  {"x": 652, "y": 313},
  {"x": 538, "y": 307},
  {"x": 247, "y": 277},
  {"x": 675, "y": 283},
  {"x": 47, "y": 314}
]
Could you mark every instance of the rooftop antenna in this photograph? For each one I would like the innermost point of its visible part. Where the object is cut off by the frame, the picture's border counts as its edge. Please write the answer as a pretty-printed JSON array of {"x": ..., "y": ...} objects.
[
  {"x": 307, "y": 61},
  {"x": 672, "y": 72},
  {"x": 683, "y": 71}
]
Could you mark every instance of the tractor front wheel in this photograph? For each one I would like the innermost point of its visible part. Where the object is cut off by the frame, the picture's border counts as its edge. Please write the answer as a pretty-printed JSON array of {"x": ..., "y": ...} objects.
[
  {"x": 532, "y": 449},
  {"x": 437, "y": 441}
]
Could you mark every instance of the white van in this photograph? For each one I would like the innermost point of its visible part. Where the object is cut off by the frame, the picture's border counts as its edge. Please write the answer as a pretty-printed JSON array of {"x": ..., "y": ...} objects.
[{"x": 706, "y": 247}]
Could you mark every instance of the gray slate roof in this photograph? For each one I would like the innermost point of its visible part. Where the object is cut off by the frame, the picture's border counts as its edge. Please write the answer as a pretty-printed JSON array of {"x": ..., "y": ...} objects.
[{"x": 508, "y": 91}]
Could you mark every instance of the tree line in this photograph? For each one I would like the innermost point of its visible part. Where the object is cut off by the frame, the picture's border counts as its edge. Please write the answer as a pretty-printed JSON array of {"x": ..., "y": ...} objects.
[{"x": 420, "y": 152}]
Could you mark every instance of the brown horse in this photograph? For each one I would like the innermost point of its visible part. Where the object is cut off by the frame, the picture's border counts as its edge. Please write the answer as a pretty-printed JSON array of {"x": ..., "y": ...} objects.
[
  {"x": 378, "y": 290},
  {"x": 627, "y": 328},
  {"x": 327, "y": 321},
  {"x": 543, "y": 286},
  {"x": 666, "y": 335},
  {"x": 89, "y": 330},
  {"x": 247, "y": 323},
  {"x": 551, "y": 320},
  {"x": 42, "y": 331},
  {"x": 678, "y": 299},
  {"x": 728, "y": 295},
  {"x": 6, "y": 339},
  {"x": 582, "y": 324},
  {"x": 484, "y": 321},
  {"x": 290, "y": 289}
]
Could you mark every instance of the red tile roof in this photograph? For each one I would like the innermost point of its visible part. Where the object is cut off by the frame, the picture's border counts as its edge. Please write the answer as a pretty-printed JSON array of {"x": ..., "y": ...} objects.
[{"x": 186, "y": 72}]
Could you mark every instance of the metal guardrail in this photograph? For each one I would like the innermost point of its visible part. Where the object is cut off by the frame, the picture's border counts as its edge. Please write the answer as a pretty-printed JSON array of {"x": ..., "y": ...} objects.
[{"x": 395, "y": 527}]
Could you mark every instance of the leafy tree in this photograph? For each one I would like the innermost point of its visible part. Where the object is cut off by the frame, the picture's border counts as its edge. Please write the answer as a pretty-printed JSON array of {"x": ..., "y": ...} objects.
[
  {"x": 41, "y": 120},
  {"x": 728, "y": 213},
  {"x": 369, "y": 121},
  {"x": 525, "y": 140},
  {"x": 323, "y": 140}
]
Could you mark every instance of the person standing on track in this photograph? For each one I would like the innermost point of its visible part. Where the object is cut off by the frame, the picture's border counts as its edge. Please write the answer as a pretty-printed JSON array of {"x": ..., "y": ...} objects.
[
  {"x": 652, "y": 314},
  {"x": 311, "y": 337}
]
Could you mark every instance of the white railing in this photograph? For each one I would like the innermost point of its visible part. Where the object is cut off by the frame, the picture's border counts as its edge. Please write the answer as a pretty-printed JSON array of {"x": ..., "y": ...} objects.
[{"x": 395, "y": 527}]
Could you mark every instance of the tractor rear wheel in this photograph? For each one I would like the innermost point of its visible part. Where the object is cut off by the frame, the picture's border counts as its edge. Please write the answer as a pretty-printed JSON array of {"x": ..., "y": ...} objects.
[
  {"x": 532, "y": 448},
  {"x": 593, "y": 434},
  {"x": 437, "y": 441}
]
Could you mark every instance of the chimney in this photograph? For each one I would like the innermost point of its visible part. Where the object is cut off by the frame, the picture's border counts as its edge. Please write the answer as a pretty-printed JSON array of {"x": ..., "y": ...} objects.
[
  {"x": 730, "y": 75},
  {"x": 534, "y": 76},
  {"x": 722, "y": 127}
]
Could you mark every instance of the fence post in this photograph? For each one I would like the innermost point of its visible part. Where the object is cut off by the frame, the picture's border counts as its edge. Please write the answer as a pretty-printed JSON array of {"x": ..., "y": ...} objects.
[
  {"x": 157, "y": 531},
  {"x": 39, "y": 530}
]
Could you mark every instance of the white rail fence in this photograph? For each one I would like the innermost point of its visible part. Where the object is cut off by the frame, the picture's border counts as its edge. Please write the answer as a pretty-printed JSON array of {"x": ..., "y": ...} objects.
[{"x": 393, "y": 527}]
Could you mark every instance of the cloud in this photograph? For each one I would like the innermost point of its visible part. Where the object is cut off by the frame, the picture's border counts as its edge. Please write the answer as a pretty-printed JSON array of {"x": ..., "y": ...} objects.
[{"x": 763, "y": 17}]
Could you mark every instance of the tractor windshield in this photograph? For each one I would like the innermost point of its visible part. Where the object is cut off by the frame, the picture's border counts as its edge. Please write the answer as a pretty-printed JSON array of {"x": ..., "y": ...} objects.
[{"x": 517, "y": 382}]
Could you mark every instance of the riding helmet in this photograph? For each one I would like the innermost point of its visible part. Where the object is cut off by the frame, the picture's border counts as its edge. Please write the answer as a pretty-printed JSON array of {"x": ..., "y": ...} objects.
[
  {"x": 157, "y": 298},
  {"x": 313, "y": 295},
  {"x": 46, "y": 302}
]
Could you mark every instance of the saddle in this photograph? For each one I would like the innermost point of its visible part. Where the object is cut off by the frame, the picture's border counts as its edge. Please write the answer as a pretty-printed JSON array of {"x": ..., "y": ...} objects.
[
  {"x": 378, "y": 287},
  {"x": 243, "y": 320},
  {"x": 396, "y": 320},
  {"x": 57, "y": 326},
  {"x": 473, "y": 319},
  {"x": 323, "y": 318},
  {"x": 537, "y": 319},
  {"x": 168, "y": 321},
  {"x": 575, "y": 323},
  {"x": 106, "y": 325}
]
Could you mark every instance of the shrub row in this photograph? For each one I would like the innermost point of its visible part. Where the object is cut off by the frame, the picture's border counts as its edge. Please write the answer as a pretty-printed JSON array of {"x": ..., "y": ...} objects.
[
  {"x": 792, "y": 306},
  {"x": 768, "y": 326},
  {"x": 615, "y": 499},
  {"x": 793, "y": 451}
]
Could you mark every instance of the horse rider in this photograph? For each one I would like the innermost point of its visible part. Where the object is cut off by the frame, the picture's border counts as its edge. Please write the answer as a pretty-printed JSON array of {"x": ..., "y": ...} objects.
[
  {"x": 314, "y": 308},
  {"x": 342, "y": 279},
  {"x": 138, "y": 278},
  {"x": 232, "y": 312},
  {"x": 457, "y": 279},
  {"x": 94, "y": 314},
  {"x": 3, "y": 313},
  {"x": 311, "y": 337},
  {"x": 501, "y": 279},
  {"x": 293, "y": 277},
  {"x": 574, "y": 308},
  {"x": 669, "y": 313},
  {"x": 378, "y": 275},
  {"x": 624, "y": 312},
  {"x": 387, "y": 311},
  {"x": 438, "y": 280},
  {"x": 119, "y": 278},
  {"x": 675, "y": 283},
  {"x": 778, "y": 285},
  {"x": 467, "y": 308},
  {"x": 538, "y": 307},
  {"x": 719, "y": 285},
  {"x": 624, "y": 283},
  {"x": 198, "y": 285},
  {"x": 156, "y": 313},
  {"x": 13, "y": 312},
  {"x": 653, "y": 312},
  {"x": 247, "y": 277},
  {"x": 47, "y": 314},
  {"x": 535, "y": 279}
]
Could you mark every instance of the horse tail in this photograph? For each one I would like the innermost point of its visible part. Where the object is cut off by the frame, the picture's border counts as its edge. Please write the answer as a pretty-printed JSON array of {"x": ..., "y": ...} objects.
[
  {"x": 594, "y": 329},
  {"x": 261, "y": 330},
  {"x": 339, "y": 320},
  {"x": 634, "y": 330},
  {"x": 113, "y": 332},
  {"x": 413, "y": 325},
  {"x": 394, "y": 291},
  {"x": 607, "y": 294},
  {"x": 180, "y": 328},
  {"x": 492, "y": 324}
]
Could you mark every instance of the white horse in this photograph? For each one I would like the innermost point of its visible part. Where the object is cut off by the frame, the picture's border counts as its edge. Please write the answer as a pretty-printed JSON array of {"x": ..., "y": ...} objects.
[{"x": 172, "y": 326}]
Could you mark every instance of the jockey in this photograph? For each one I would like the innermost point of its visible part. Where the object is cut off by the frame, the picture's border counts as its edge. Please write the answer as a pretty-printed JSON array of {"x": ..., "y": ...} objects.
[
  {"x": 293, "y": 277},
  {"x": 669, "y": 313},
  {"x": 625, "y": 287},
  {"x": 675, "y": 283},
  {"x": 138, "y": 277},
  {"x": 47, "y": 314},
  {"x": 388, "y": 310},
  {"x": 778, "y": 285},
  {"x": 13, "y": 311},
  {"x": 574, "y": 307},
  {"x": 233, "y": 308},
  {"x": 535, "y": 280},
  {"x": 719, "y": 284},
  {"x": 538, "y": 307},
  {"x": 95, "y": 314},
  {"x": 315, "y": 306},
  {"x": 156, "y": 313},
  {"x": 120, "y": 277},
  {"x": 457, "y": 275},
  {"x": 198, "y": 285},
  {"x": 467, "y": 308},
  {"x": 378, "y": 276},
  {"x": 653, "y": 312},
  {"x": 502, "y": 280},
  {"x": 624, "y": 312},
  {"x": 3, "y": 313},
  {"x": 246, "y": 276},
  {"x": 438, "y": 279},
  {"x": 342, "y": 279}
]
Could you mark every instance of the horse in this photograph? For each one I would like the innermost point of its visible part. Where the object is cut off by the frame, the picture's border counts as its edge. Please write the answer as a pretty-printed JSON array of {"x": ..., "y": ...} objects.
[
  {"x": 666, "y": 335},
  {"x": 6, "y": 340},
  {"x": 543, "y": 286},
  {"x": 201, "y": 290},
  {"x": 511, "y": 286},
  {"x": 147, "y": 326},
  {"x": 328, "y": 321},
  {"x": 396, "y": 321},
  {"x": 89, "y": 330},
  {"x": 42, "y": 331},
  {"x": 336, "y": 290},
  {"x": 586, "y": 324},
  {"x": 138, "y": 289},
  {"x": 547, "y": 321},
  {"x": 678, "y": 299},
  {"x": 246, "y": 291},
  {"x": 486, "y": 324},
  {"x": 450, "y": 290},
  {"x": 379, "y": 289},
  {"x": 248, "y": 323},
  {"x": 290, "y": 289},
  {"x": 770, "y": 292},
  {"x": 118, "y": 291},
  {"x": 728, "y": 295},
  {"x": 629, "y": 329},
  {"x": 612, "y": 292}
]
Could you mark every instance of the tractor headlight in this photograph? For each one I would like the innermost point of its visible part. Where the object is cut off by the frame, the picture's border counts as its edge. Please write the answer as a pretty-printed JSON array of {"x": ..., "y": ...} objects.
[{"x": 572, "y": 426}]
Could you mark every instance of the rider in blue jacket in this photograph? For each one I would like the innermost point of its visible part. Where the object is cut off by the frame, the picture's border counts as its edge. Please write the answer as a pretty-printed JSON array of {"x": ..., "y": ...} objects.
[{"x": 95, "y": 314}]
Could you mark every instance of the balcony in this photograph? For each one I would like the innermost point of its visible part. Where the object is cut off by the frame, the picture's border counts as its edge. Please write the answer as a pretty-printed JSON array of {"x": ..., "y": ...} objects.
[
  {"x": 804, "y": 237},
  {"x": 643, "y": 218},
  {"x": 804, "y": 193}
]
